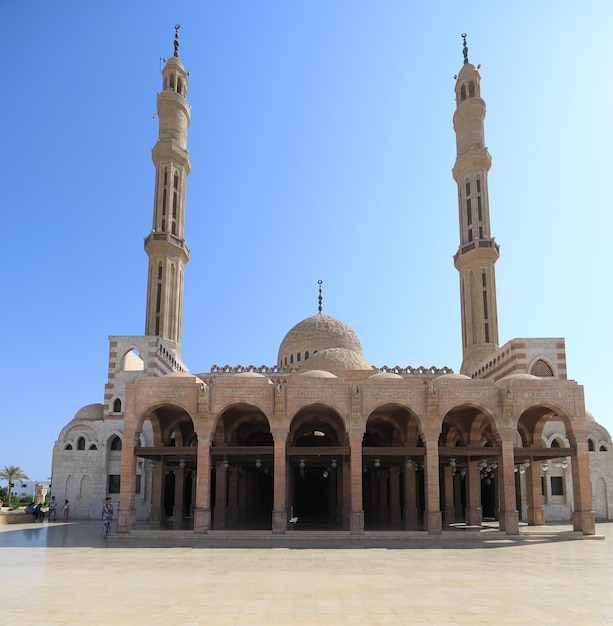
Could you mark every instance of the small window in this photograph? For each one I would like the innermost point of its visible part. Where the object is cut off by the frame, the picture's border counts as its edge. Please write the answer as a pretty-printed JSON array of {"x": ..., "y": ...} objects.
[
  {"x": 116, "y": 443},
  {"x": 603, "y": 448},
  {"x": 93, "y": 447},
  {"x": 557, "y": 486},
  {"x": 291, "y": 358},
  {"x": 81, "y": 443},
  {"x": 555, "y": 443},
  {"x": 298, "y": 357},
  {"x": 117, "y": 406},
  {"x": 542, "y": 369},
  {"x": 114, "y": 483},
  {"x": 68, "y": 446},
  {"x": 306, "y": 355},
  {"x": 590, "y": 445},
  {"x": 138, "y": 476}
]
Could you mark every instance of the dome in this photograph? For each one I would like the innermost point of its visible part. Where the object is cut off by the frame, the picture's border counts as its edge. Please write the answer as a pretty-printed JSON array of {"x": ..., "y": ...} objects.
[
  {"x": 337, "y": 359},
  {"x": 90, "y": 413},
  {"x": 384, "y": 376},
  {"x": 317, "y": 374},
  {"x": 518, "y": 377},
  {"x": 314, "y": 335}
]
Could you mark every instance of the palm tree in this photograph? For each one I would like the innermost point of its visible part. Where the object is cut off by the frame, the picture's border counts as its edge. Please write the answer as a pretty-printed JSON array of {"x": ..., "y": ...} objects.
[{"x": 12, "y": 473}]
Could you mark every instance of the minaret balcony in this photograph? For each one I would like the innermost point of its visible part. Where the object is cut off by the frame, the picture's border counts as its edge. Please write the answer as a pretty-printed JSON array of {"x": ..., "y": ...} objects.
[{"x": 474, "y": 245}]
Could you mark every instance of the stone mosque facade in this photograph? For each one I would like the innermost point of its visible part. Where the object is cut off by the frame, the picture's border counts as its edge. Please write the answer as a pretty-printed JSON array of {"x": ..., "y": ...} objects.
[{"x": 323, "y": 439}]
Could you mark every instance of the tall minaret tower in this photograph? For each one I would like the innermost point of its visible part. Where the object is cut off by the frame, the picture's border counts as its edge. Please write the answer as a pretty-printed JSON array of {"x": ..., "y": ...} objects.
[
  {"x": 165, "y": 245},
  {"x": 478, "y": 250}
]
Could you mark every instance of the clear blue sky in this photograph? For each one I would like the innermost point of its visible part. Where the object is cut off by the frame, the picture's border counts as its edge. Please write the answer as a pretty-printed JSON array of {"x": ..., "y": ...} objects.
[{"x": 322, "y": 146}]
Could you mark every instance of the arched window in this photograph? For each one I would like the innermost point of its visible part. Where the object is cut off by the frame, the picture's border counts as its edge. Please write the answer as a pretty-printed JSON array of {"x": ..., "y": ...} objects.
[
  {"x": 590, "y": 445},
  {"x": 116, "y": 443},
  {"x": 603, "y": 448},
  {"x": 93, "y": 447},
  {"x": 463, "y": 93},
  {"x": 298, "y": 357},
  {"x": 555, "y": 443},
  {"x": 81, "y": 443},
  {"x": 471, "y": 89},
  {"x": 68, "y": 446},
  {"x": 306, "y": 355},
  {"x": 541, "y": 369},
  {"x": 117, "y": 406}
]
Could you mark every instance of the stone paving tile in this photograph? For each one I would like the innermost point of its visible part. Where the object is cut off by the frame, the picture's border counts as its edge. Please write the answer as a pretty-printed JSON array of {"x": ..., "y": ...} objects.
[{"x": 69, "y": 575}]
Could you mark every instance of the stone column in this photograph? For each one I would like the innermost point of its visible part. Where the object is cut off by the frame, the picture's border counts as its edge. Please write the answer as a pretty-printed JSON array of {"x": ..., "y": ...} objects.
[
  {"x": 157, "y": 492},
  {"x": 219, "y": 512},
  {"x": 434, "y": 522},
  {"x": 357, "y": 507},
  {"x": 509, "y": 517},
  {"x": 279, "y": 513},
  {"x": 474, "y": 511},
  {"x": 202, "y": 512},
  {"x": 536, "y": 511},
  {"x": 177, "y": 509},
  {"x": 583, "y": 515},
  {"x": 394, "y": 496},
  {"x": 346, "y": 478},
  {"x": 410, "y": 498},
  {"x": 126, "y": 516},
  {"x": 232, "y": 512},
  {"x": 449, "y": 494}
]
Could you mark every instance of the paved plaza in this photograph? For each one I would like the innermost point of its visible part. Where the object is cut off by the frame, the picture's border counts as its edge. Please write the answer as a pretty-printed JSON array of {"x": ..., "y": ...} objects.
[{"x": 69, "y": 574}]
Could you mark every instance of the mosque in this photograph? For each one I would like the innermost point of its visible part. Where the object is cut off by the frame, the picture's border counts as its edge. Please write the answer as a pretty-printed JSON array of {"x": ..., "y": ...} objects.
[{"x": 322, "y": 439}]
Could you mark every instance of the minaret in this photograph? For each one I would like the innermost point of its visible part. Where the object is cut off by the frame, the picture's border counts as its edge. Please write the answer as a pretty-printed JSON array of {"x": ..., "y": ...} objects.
[
  {"x": 478, "y": 250},
  {"x": 165, "y": 245}
]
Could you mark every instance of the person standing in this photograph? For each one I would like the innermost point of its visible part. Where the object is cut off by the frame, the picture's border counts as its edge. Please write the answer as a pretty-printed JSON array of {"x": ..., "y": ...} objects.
[
  {"x": 52, "y": 509},
  {"x": 107, "y": 516},
  {"x": 66, "y": 510}
]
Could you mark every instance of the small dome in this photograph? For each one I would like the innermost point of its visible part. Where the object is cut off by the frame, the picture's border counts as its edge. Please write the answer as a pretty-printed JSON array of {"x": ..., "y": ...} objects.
[
  {"x": 316, "y": 374},
  {"x": 90, "y": 413},
  {"x": 252, "y": 375},
  {"x": 452, "y": 377},
  {"x": 313, "y": 335},
  {"x": 518, "y": 377},
  {"x": 384, "y": 376}
]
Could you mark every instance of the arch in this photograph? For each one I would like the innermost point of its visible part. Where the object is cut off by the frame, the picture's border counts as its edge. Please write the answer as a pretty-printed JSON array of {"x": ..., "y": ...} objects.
[
  {"x": 93, "y": 446},
  {"x": 117, "y": 405},
  {"x": 317, "y": 425},
  {"x": 533, "y": 420},
  {"x": 132, "y": 361},
  {"x": 471, "y": 89},
  {"x": 68, "y": 446},
  {"x": 179, "y": 85},
  {"x": 603, "y": 448},
  {"x": 242, "y": 424},
  {"x": 591, "y": 445},
  {"x": 541, "y": 368},
  {"x": 462, "y": 93},
  {"x": 391, "y": 425},
  {"x": 115, "y": 443},
  {"x": 81, "y": 443}
]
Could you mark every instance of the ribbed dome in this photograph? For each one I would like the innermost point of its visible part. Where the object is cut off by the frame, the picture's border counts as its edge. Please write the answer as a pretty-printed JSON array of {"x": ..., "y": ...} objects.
[{"x": 315, "y": 334}]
